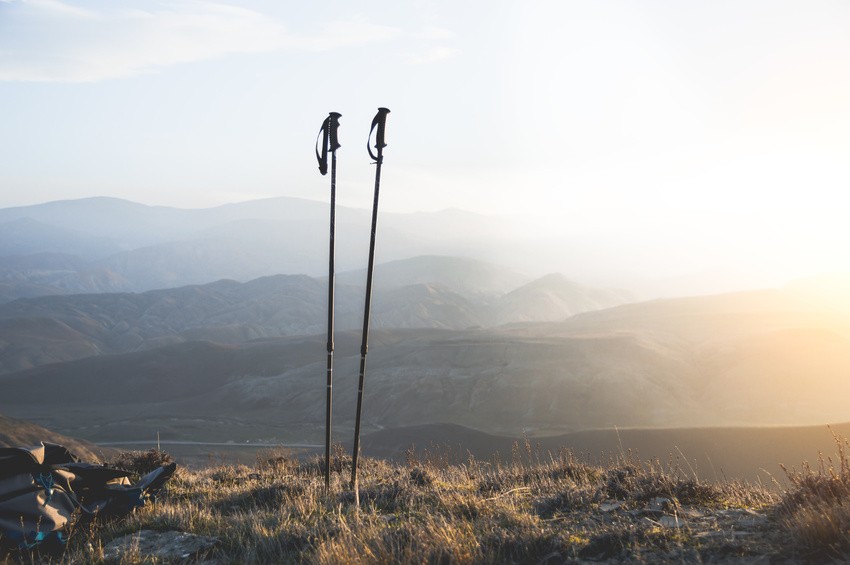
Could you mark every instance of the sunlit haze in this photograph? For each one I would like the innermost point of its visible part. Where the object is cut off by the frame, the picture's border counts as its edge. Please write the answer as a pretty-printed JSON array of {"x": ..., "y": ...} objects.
[
  {"x": 679, "y": 138},
  {"x": 609, "y": 277}
]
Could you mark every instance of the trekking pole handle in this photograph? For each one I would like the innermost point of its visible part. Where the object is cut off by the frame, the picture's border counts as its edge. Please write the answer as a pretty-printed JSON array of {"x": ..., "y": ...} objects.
[
  {"x": 379, "y": 121},
  {"x": 329, "y": 140},
  {"x": 333, "y": 126}
]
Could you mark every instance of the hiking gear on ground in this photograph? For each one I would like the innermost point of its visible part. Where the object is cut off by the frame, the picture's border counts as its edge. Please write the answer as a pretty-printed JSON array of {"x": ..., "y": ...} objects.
[{"x": 46, "y": 489}]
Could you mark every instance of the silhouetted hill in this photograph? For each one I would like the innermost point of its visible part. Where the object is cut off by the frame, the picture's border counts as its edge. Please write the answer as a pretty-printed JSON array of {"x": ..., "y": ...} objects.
[
  {"x": 47, "y": 274},
  {"x": 749, "y": 359},
  {"x": 251, "y": 248},
  {"x": 26, "y": 236},
  {"x": 62, "y": 328},
  {"x": 713, "y": 454},
  {"x": 149, "y": 247},
  {"x": 554, "y": 297},
  {"x": 425, "y": 306},
  {"x": 131, "y": 224},
  {"x": 43, "y": 262},
  {"x": 20, "y": 433},
  {"x": 468, "y": 277}
]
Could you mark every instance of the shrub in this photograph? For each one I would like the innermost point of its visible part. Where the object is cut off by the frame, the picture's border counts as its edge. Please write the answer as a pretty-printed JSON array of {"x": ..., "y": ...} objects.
[
  {"x": 815, "y": 512},
  {"x": 141, "y": 462}
]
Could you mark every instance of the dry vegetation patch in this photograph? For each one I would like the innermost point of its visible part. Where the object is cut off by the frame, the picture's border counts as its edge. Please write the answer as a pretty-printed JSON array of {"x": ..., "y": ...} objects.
[
  {"x": 550, "y": 509},
  {"x": 815, "y": 513}
]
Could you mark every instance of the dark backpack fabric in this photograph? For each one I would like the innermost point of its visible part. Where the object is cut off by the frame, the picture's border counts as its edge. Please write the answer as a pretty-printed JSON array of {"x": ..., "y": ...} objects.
[
  {"x": 45, "y": 489},
  {"x": 34, "y": 505}
]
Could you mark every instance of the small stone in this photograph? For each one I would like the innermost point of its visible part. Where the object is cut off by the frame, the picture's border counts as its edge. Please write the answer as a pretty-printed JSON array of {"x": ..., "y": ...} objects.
[
  {"x": 738, "y": 513},
  {"x": 659, "y": 504},
  {"x": 751, "y": 522},
  {"x": 159, "y": 545},
  {"x": 671, "y": 522},
  {"x": 610, "y": 505},
  {"x": 646, "y": 512},
  {"x": 691, "y": 513}
]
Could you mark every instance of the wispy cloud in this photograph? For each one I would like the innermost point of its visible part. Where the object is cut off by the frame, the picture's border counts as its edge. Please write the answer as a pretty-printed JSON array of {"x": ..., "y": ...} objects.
[
  {"x": 337, "y": 34},
  {"x": 52, "y": 40},
  {"x": 56, "y": 7},
  {"x": 432, "y": 55}
]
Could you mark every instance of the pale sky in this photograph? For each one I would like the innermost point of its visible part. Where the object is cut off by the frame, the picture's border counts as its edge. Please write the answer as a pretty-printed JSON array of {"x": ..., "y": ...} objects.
[{"x": 722, "y": 123}]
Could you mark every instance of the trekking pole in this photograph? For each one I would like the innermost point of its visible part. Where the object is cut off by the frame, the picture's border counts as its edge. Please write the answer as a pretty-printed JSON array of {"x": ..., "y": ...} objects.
[
  {"x": 328, "y": 133},
  {"x": 379, "y": 122}
]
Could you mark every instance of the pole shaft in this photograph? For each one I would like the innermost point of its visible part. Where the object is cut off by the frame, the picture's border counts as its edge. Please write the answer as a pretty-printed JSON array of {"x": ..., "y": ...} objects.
[
  {"x": 331, "y": 248},
  {"x": 355, "y": 454}
]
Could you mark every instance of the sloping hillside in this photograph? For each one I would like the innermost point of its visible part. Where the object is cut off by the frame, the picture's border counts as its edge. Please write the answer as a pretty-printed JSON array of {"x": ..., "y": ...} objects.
[
  {"x": 741, "y": 359},
  {"x": 468, "y": 277},
  {"x": 554, "y": 297},
  {"x": 456, "y": 294},
  {"x": 150, "y": 247},
  {"x": 25, "y": 235},
  {"x": 713, "y": 454},
  {"x": 20, "y": 433}
]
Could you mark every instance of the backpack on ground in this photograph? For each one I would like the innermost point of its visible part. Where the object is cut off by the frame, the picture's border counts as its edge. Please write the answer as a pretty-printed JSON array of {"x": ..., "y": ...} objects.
[{"x": 45, "y": 489}]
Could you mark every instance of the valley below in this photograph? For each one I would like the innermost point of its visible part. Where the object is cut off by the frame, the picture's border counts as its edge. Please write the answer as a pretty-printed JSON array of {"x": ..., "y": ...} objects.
[{"x": 460, "y": 348}]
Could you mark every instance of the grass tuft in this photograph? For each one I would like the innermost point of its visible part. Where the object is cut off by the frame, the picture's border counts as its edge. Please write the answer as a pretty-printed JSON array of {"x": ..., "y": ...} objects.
[
  {"x": 141, "y": 462},
  {"x": 815, "y": 512}
]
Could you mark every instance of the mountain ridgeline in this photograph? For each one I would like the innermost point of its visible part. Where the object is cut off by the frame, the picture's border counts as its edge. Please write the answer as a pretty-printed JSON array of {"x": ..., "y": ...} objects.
[
  {"x": 759, "y": 358},
  {"x": 109, "y": 245},
  {"x": 425, "y": 292},
  {"x": 122, "y": 320}
]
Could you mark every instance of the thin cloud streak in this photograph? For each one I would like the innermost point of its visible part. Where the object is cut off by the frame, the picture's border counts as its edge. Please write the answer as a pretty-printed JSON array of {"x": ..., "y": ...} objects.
[
  {"x": 51, "y": 41},
  {"x": 57, "y": 7},
  {"x": 433, "y": 55}
]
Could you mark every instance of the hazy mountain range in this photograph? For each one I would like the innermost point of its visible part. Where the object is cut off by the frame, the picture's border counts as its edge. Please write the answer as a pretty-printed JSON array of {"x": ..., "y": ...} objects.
[
  {"x": 759, "y": 358},
  {"x": 109, "y": 245},
  {"x": 424, "y": 292},
  {"x": 240, "y": 353}
]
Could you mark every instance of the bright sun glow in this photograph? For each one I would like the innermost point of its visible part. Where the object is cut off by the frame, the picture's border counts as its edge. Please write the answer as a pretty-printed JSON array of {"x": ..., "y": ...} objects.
[{"x": 700, "y": 136}]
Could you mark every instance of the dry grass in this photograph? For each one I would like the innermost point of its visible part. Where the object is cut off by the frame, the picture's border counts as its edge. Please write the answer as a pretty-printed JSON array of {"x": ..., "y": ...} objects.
[
  {"x": 140, "y": 462},
  {"x": 533, "y": 509},
  {"x": 815, "y": 513}
]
